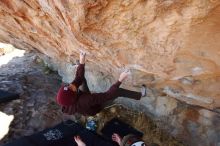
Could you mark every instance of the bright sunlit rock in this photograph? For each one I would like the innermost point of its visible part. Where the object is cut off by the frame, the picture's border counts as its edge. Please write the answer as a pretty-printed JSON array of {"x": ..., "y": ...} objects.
[
  {"x": 5, "y": 121},
  {"x": 12, "y": 52}
]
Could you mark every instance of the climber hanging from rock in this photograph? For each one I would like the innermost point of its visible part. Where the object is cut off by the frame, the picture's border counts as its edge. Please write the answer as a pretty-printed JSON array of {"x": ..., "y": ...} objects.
[{"x": 74, "y": 100}]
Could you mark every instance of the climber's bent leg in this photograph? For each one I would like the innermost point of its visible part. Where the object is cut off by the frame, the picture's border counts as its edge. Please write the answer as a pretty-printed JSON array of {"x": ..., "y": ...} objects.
[{"x": 129, "y": 94}]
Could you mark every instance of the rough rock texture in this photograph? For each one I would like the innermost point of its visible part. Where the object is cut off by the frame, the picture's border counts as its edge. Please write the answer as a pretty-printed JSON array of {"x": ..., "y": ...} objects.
[
  {"x": 172, "y": 46},
  {"x": 172, "y": 40}
]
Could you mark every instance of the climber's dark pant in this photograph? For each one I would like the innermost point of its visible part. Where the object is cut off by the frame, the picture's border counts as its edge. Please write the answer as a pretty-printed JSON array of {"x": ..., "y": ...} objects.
[
  {"x": 119, "y": 93},
  {"x": 129, "y": 94}
]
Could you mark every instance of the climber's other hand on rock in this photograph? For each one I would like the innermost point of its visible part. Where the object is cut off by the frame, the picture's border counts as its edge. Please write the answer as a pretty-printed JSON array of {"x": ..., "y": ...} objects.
[{"x": 124, "y": 75}]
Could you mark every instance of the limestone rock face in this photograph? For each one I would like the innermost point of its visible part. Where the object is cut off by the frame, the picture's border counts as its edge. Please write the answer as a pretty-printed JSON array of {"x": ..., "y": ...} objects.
[
  {"x": 166, "y": 40},
  {"x": 171, "y": 46}
]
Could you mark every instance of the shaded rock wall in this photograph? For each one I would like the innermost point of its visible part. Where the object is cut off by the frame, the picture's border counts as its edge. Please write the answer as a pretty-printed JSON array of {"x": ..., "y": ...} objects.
[{"x": 172, "y": 46}]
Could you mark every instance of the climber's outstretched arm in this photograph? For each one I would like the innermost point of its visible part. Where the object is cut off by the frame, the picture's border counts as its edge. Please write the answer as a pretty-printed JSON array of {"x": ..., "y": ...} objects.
[
  {"x": 112, "y": 93},
  {"x": 80, "y": 71}
]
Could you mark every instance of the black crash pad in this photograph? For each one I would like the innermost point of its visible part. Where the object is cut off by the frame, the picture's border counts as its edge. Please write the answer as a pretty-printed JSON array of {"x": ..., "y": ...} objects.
[
  {"x": 117, "y": 126},
  {"x": 62, "y": 135},
  {"x": 6, "y": 96}
]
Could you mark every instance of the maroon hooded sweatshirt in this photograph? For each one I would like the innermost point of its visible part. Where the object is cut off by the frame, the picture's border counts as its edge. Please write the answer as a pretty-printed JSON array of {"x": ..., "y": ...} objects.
[{"x": 89, "y": 103}]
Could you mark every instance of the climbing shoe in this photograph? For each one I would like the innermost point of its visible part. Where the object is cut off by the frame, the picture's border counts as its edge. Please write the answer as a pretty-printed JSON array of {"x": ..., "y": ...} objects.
[{"x": 143, "y": 90}]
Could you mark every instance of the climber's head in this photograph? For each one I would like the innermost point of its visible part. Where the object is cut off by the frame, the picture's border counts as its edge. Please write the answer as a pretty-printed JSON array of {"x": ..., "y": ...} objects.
[{"x": 66, "y": 96}]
